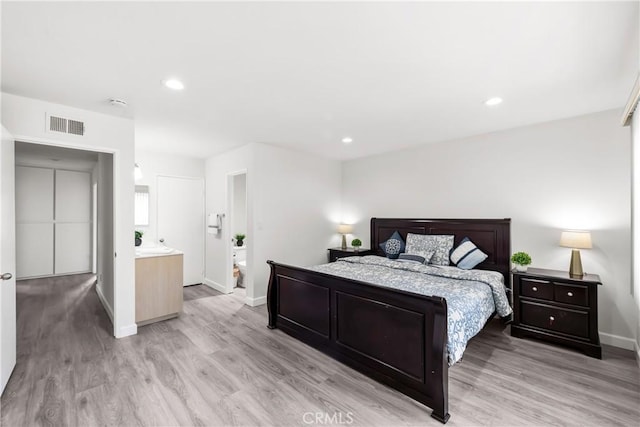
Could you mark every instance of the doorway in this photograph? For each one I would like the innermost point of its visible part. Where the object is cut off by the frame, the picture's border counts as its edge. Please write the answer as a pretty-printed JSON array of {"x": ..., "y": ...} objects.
[
  {"x": 239, "y": 242},
  {"x": 65, "y": 215},
  {"x": 54, "y": 221}
]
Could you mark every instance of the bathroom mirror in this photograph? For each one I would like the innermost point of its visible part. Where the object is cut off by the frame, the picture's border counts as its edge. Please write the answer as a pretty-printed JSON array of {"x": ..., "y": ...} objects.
[{"x": 142, "y": 205}]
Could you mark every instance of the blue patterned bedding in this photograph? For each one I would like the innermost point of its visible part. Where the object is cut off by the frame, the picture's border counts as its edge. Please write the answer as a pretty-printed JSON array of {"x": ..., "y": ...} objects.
[{"x": 472, "y": 295}]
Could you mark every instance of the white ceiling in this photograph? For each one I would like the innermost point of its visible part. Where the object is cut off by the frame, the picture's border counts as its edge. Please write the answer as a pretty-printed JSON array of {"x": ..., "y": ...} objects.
[{"x": 303, "y": 75}]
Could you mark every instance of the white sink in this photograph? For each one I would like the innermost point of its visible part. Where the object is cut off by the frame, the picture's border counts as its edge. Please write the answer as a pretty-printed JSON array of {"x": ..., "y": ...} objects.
[{"x": 153, "y": 250}]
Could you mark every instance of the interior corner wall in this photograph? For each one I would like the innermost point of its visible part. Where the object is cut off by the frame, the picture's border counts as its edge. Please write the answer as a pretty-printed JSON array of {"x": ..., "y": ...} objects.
[
  {"x": 572, "y": 173},
  {"x": 293, "y": 207},
  {"x": 25, "y": 119},
  {"x": 152, "y": 165}
]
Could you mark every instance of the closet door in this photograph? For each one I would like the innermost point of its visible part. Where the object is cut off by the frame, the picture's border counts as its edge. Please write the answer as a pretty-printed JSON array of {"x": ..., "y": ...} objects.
[
  {"x": 34, "y": 222},
  {"x": 73, "y": 222}
]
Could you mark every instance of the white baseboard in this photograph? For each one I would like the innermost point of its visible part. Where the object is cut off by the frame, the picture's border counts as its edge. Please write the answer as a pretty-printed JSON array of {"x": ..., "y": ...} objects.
[
  {"x": 104, "y": 302},
  {"x": 215, "y": 285},
  {"x": 254, "y": 302},
  {"x": 126, "y": 331},
  {"x": 618, "y": 341}
]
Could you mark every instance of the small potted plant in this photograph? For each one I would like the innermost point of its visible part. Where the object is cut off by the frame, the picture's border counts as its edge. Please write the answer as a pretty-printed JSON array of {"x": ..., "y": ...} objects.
[
  {"x": 356, "y": 243},
  {"x": 138, "y": 237},
  {"x": 521, "y": 260},
  {"x": 240, "y": 239}
]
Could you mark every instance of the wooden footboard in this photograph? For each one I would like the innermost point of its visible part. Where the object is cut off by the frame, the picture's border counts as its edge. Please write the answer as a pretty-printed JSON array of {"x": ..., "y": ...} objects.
[{"x": 392, "y": 336}]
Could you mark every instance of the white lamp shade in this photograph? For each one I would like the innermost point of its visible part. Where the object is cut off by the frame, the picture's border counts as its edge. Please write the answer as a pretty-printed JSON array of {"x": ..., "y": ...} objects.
[
  {"x": 345, "y": 228},
  {"x": 576, "y": 239}
]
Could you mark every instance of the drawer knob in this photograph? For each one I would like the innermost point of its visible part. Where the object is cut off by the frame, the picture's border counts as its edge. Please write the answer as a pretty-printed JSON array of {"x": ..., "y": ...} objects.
[
  {"x": 534, "y": 289},
  {"x": 570, "y": 294},
  {"x": 551, "y": 319}
]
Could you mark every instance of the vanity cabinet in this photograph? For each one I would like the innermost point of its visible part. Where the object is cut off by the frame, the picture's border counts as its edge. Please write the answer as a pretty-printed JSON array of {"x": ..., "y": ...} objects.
[{"x": 158, "y": 287}]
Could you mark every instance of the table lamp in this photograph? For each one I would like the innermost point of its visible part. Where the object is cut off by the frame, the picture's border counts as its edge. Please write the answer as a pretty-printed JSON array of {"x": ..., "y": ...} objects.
[
  {"x": 576, "y": 240},
  {"x": 344, "y": 229}
]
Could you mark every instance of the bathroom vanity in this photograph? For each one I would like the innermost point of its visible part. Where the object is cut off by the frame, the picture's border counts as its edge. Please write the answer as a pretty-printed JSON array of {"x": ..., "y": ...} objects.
[{"x": 158, "y": 284}]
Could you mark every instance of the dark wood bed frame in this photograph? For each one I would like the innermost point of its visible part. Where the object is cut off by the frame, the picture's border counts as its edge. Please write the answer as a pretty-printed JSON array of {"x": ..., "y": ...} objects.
[{"x": 396, "y": 337}]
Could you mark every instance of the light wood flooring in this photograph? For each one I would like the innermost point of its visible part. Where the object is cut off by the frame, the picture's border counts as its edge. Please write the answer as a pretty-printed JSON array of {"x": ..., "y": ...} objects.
[{"x": 218, "y": 364}]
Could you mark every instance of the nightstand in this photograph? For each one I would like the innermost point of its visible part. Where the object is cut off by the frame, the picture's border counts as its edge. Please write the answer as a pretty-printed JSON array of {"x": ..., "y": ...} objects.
[
  {"x": 553, "y": 306},
  {"x": 335, "y": 253}
]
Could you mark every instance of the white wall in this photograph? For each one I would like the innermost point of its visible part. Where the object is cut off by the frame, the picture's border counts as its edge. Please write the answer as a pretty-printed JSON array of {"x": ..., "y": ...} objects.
[
  {"x": 297, "y": 209},
  {"x": 154, "y": 164},
  {"x": 25, "y": 119},
  {"x": 571, "y": 173},
  {"x": 293, "y": 207}
]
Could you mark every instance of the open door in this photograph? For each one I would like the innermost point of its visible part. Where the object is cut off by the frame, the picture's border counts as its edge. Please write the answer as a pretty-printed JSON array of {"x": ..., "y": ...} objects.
[{"x": 7, "y": 259}]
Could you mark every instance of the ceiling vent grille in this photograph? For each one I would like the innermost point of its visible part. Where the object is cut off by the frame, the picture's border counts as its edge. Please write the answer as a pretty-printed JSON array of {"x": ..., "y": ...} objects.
[
  {"x": 60, "y": 124},
  {"x": 57, "y": 124},
  {"x": 76, "y": 127}
]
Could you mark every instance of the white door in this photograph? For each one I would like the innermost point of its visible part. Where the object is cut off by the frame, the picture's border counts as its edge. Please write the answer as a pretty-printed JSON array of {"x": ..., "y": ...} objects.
[
  {"x": 181, "y": 222},
  {"x": 7, "y": 259}
]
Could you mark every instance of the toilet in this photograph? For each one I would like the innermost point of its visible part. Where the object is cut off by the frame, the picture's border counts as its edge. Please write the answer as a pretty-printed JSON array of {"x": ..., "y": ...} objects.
[{"x": 240, "y": 259}]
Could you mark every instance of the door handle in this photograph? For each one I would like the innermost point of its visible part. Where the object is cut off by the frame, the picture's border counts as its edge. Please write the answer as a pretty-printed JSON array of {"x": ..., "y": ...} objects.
[{"x": 6, "y": 276}]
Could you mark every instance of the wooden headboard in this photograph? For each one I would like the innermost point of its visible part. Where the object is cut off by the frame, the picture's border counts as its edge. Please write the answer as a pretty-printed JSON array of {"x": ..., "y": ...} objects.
[{"x": 492, "y": 236}]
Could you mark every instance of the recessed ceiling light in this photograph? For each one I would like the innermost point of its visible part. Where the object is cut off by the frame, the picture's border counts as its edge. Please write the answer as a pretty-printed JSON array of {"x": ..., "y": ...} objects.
[
  {"x": 493, "y": 101},
  {"x": 174, "y": 84},
  {"x": 347, "y": 140}
]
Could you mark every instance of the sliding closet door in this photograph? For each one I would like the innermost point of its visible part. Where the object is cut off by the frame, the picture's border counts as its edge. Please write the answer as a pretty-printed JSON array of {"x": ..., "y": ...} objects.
[
  {"x": 73, "y": 222},
  {"x": 34, "y": 221}
]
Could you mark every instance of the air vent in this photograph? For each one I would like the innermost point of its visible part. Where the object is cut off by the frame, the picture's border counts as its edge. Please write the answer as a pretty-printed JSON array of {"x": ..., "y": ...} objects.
[
  {"x": 57, "y": 124},
  {"x": 60, "y": 124},
  {"x": 76, "y": 127}
]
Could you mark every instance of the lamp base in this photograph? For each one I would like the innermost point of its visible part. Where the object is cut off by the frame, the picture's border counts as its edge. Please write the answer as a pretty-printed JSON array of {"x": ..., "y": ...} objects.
[
  {"x": 575, "y": 268},
  {"x": 344, "y": 242}
]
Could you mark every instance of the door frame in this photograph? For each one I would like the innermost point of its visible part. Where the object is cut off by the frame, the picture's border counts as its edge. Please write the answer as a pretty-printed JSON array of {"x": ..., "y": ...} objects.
[
  {"x": 228, "y": 234},
  {"x": 8, "y": 318},
  {"x": 204, "y": 213},
  {"x": 115, "y": 194}
]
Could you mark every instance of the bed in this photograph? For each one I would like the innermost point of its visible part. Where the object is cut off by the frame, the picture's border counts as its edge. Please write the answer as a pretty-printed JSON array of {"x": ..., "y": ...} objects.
[{"x": 395, "y": 336}]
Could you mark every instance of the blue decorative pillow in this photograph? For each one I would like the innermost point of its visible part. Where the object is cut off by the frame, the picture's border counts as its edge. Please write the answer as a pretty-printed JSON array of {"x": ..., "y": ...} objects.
[
  {"x": 394, "y": 246},
  {"x": 423, "y": 258},
  {"x": 467, "y": 255}
]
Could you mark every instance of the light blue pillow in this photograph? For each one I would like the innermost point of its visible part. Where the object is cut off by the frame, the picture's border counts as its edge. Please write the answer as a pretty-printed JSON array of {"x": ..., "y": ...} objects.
[
  {"x": 394, "y": 246},
  {"x": 467, "y": 255}
]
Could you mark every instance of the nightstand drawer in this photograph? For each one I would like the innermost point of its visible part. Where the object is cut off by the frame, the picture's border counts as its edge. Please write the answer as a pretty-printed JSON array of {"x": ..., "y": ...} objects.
[
  {"x": 578, "y": 295},
  {"x": 536, "y": 289},
  {"x": 570, "y": 322}
]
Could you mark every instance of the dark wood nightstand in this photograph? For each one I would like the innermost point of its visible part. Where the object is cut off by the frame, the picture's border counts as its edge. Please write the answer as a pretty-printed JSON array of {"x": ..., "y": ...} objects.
[
  {"x": 335, "y": 253},
  {"x": 553, "y": 306}
]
